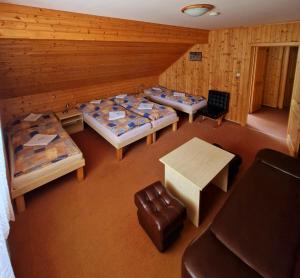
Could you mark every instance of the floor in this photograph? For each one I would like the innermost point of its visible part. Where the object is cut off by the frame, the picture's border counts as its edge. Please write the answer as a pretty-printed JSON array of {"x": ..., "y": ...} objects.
[
  {"x": 270, "y": 121},
  {"x": 90, "y": 229}
]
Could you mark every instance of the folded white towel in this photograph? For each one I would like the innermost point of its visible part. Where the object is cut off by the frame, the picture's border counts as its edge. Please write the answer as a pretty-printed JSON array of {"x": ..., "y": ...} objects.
[
  {"x": 115, "y": 115},
  {"x": 40, "y": 140},
  {"x": 32, "y": 117}
]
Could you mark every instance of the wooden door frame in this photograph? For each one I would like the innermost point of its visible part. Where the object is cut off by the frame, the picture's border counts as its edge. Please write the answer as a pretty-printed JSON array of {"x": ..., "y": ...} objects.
[
  {"x": 253, "y": 52},
  {"x": 253, "y": 62}
]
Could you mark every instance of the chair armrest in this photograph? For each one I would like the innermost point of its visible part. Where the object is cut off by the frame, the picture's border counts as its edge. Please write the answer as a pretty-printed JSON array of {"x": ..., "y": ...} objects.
[{"x": 280, "y": 161}]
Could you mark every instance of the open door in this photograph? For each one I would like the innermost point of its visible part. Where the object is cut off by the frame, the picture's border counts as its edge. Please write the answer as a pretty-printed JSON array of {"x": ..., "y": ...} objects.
[
  {"x": 258, "y": 77},
  {"x": 293, "y": 130},
  {"x": 290, "y": 76}
]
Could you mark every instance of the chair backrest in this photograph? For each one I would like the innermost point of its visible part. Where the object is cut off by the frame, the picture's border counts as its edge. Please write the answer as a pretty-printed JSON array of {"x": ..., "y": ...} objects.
[{"x": 219, "y": 99}]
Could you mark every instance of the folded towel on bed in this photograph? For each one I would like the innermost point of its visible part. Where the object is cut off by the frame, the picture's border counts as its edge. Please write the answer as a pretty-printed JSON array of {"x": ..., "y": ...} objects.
[
  {"x": 139, "y": 105},
  {"x": 119, "y": 126},
  {"x": 21, "y": 123},
  {"x": 176, "y": 96},
  {"x": 27, "y": 159}
]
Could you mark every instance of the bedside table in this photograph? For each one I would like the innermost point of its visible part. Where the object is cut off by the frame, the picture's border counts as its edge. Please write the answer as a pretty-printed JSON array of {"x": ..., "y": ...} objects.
[{"x": 71, "y": 121}]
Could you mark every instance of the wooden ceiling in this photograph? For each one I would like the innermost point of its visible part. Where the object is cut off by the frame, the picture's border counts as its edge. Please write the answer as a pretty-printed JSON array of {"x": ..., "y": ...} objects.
[
  {"x": 33, "y": 23},
  {"x": 45, "y": 50},
  {"x": 34, "y": 66}
]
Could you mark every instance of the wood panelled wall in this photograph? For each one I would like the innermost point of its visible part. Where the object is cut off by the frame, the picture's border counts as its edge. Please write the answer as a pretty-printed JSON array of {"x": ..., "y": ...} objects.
[
  {"x": 49, "y": 58},
  {"x": 34, "y": 66},
  {"x": 189, "y": 76},
  {"x": 229, "y": 54},
  {"x": 24, "y": 22},
  {"x": 56, "y": 100},
  {"x": 272, "y": 83},
  {"x": 293, "y": 130},
  {"x": 290, "y": 76}
]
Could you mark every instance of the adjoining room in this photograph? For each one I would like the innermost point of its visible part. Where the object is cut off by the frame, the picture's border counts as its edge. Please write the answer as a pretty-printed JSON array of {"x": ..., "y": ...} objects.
[
  {"x": 272, "y": 87},
  {"x": 149, "y": 139}
]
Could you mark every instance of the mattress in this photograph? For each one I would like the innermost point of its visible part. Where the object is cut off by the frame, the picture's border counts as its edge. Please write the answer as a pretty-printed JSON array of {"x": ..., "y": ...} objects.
[
  {"x": 32, "y": 167},
  {"x": 117, "y": 127},
  {"x": 133, "y": 103},
  {"x": 20, "y": 124},
  {"x": 187, "y": 108},
  {"x": 117, "y": 141},
  {"x": 26, "y": 182},
  {"x": 27, "y": 159},
  {"x": 165, "y": 121}
]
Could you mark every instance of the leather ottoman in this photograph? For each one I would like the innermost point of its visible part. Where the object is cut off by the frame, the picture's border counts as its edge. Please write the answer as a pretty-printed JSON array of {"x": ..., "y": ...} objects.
[{"x": 160, "y": 215}]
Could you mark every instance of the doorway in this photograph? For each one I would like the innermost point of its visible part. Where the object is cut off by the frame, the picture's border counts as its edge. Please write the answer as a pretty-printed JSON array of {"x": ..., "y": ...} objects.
[{"x": 271, "y": 89}]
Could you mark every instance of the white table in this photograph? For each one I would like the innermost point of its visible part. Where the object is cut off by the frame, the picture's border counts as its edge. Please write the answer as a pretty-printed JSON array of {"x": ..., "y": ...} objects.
[{"x": 192, "y": 166}]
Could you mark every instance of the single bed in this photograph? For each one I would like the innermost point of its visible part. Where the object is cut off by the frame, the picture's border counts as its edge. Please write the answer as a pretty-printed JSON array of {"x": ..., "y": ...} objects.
[
  {"x": 32, "y": 167},
  {"x": 119, "y": 133},
  {"x": 160, "y": 115},
  {"x": 178, "y": 100}
]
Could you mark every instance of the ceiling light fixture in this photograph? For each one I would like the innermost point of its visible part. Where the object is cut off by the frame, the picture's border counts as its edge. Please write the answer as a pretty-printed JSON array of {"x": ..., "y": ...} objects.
[{"x": 197, "y": 9}]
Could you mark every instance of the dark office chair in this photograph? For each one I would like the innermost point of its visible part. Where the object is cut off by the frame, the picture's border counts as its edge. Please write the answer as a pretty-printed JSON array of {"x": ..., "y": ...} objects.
[{"x": 217, "y": 106}]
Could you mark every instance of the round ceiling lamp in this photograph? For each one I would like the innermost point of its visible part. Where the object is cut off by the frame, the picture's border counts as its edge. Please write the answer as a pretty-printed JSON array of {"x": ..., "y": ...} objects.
[{"x": 197, "y": 9}]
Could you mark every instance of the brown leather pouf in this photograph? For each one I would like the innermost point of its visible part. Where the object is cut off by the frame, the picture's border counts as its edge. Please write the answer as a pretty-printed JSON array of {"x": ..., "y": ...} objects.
[{"x": 159, "y": 214}]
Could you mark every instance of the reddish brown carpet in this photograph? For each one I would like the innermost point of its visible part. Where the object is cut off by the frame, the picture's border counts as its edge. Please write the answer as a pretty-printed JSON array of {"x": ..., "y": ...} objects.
[
  {"x": 270, "y": 121},
  {"x": 90, "y": 229}
]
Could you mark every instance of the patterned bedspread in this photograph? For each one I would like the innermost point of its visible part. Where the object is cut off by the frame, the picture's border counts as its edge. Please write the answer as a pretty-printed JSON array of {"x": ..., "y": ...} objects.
[
  {"x": 91, "y": 107},
  {"x": 132, "y": 103},
  {"x": 27, "y": 159},
  {"x": 169, "y": 94},
  {"x": 118, "y": 127},
  {"x": 20, "y": 124}
]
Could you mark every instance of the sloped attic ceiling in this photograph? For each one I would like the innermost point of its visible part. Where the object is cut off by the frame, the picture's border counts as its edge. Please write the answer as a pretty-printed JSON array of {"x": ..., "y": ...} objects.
[
  {"x": 35, "y": 66},
  {"x": 45, "y": 50}
]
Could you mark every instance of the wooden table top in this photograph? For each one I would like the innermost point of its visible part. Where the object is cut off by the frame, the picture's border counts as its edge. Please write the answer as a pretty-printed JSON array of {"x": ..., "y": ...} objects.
[{"x": 197, "y": 161}]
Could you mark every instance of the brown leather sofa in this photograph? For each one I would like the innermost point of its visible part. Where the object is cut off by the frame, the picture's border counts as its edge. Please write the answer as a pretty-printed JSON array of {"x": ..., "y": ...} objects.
[{"x": 257, "y": 232}]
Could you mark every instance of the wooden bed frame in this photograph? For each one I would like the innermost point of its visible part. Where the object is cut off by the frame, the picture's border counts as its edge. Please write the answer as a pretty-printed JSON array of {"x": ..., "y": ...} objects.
[
  {"x": 149, "y": 134},
  {"x": 174, "y": 106},
  {"x": 30, "y": 181}
]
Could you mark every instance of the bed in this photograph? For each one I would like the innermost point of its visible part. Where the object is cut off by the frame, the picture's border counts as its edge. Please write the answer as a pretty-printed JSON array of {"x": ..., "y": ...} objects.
[
  {"x": 160, "y": 116},
  {"x": 178, "y": 100},
  {"x": 34, "y": 166},
  {"x": 119, "y": 133}
]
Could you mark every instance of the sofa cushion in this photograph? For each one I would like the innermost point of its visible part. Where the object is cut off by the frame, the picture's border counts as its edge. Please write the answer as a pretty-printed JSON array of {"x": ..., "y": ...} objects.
[
  {"x": 260, "y": 221},
  {"x": 208, "y": 257}
]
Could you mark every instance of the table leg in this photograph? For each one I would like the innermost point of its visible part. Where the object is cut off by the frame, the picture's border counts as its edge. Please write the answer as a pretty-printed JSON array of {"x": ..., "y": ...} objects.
[
  {"x": 221, "y": 180},
  {"x": 185, "y": 191}
]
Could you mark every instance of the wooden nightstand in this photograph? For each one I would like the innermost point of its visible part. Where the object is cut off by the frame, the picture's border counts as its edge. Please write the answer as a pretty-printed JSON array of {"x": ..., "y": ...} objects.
[{"x": 72, "y": 121}]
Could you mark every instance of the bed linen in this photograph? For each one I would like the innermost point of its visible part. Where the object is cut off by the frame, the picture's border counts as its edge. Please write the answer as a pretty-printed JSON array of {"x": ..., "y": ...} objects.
[
  {"x": 132, "y": 103},
  {"x": 19, "y": 123},
  {"x": 117, "y": 127},
  {"x": 28, "y": 159},
  {"x": 164, "y": 93}
]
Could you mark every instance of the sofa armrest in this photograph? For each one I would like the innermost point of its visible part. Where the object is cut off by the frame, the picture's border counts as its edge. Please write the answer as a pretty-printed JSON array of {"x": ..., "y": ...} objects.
[{"x": 280, "y": 161}]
